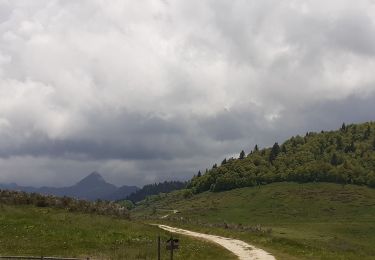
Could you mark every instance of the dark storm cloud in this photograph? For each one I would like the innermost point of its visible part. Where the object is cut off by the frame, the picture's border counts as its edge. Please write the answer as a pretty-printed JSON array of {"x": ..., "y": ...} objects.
[
  {"x": 127, "y": 136},
  {"x": 145, "y": 91}
]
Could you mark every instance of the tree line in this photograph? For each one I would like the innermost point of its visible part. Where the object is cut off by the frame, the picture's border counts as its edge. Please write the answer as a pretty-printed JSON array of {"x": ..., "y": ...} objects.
[
  {"x": 345, "y": 156},
  {"x": 154, "y": 189},
  {"x": 99, "y": 207}
]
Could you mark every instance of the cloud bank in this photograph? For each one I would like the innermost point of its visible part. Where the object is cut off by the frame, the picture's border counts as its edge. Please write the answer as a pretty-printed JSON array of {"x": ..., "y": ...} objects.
[{"x": 151, "y": 90}]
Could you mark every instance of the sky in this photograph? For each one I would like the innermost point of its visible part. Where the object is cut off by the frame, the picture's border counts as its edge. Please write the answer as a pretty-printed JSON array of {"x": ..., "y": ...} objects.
[{"x": 146, "y": 91}]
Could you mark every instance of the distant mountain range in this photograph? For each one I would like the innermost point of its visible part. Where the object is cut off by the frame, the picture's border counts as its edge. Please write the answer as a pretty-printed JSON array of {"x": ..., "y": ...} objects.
[{"x": 92, "y": 187}]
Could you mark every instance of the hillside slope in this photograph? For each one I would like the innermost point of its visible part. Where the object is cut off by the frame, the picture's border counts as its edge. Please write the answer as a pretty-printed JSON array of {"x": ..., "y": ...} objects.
[
  {"x": 290, "y": 220},
  {"x": 35, "y": 231},
  {"x": 345, "y": 156}
]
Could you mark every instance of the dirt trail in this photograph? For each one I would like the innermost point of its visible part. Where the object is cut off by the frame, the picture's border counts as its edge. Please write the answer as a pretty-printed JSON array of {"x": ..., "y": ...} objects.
[
  {"x": 241, "y": 249},
  {"x": 174, "y": 211}
]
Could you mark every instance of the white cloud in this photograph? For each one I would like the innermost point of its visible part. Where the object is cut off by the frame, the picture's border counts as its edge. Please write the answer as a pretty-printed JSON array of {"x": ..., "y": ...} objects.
[{"x": 70, "y": 71}]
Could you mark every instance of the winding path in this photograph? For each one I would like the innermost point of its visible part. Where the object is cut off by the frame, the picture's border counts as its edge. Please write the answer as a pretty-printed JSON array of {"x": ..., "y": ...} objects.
[{"x": 241, "y": 249}]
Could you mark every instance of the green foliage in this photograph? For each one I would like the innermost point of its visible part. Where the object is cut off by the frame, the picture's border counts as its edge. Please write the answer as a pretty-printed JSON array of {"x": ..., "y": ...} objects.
[
  {"x": 343, "y": 127},
  {"x": 73, "y": 205},
  {"x": 343, "y": 156},
  {"x": 156, "y": 188},
  {"x": 224, "y": 161},
  {"x": 274, "y": 152},
  {"x": 242, "y": 155},
  {"x": 308, "y": 221},
  {"x": 335, "y": 160},
  {"x": 33, "y": 231},
  {"x": 128, "y": 204}
]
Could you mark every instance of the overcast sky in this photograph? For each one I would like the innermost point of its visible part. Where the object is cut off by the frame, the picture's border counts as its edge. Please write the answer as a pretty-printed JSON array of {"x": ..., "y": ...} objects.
[{"x": 145, "y": 91}]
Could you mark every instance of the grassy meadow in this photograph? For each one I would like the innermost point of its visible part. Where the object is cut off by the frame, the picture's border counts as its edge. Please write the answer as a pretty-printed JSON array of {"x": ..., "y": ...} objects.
[
  {"x": 292, "y": 221},
  {"x": 30, "y": 230}
]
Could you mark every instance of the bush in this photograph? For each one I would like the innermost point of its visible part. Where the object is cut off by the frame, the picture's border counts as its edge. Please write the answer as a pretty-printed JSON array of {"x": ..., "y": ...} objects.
[{"x": 100, "y": 207}]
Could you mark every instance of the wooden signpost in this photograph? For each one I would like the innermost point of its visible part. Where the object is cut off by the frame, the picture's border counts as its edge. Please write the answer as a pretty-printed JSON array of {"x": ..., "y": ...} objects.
[{"x": 172, "y": 244}]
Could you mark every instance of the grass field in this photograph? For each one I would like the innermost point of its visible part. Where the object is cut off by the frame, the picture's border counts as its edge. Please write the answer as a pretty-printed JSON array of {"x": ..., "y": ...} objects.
[
  {"x": 293, "y": 221},
  {"x": 28, "y": 230}
]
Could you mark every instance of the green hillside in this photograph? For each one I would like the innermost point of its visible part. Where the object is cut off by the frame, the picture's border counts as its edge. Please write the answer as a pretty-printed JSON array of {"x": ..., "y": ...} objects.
[
  {"x": 291, "y": 220},
  {"x": 34, "y": 231},
  {"x": 345, "y": 156}
]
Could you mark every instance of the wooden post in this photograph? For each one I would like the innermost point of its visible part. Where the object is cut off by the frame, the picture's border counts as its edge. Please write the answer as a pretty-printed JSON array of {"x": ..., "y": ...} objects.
[
  {"x": 172, "y": 245},
  {"x": 159, "y": 247}
]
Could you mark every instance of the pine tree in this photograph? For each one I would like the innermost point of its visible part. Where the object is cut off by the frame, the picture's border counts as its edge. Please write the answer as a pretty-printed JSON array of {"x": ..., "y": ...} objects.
[
  {"x": 214, "y": 166},
  {"x": 256, "y": 148},
  {"x": 274, "y": 152},
  {"x": 242, "y": 155},
  {"x": 224, "y": 161},
  {"x": 199, "y": 174},
  {"x": 343, "y": 127}
]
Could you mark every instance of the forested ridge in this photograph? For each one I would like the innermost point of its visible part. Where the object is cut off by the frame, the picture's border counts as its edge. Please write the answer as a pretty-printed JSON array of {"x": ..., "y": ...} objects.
[
  {"x": 154, "y": 189},
  {"x": 345, "y": 156}
]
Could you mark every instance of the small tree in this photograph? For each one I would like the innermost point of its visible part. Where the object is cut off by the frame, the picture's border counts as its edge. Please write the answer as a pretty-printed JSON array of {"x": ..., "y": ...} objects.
[
  {"x": 224, "y": 161},
  {"x": 199, "y": 174},
  {"x": 343, "y": 127},
  {"x": 242, "y": 155},
  {"x": 274, "y": 152},
  {"x": 256, "y": 148}
]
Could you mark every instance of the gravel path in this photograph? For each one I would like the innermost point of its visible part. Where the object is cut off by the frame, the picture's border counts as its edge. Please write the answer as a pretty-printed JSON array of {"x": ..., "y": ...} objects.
[{"x": 241, "y": 249}]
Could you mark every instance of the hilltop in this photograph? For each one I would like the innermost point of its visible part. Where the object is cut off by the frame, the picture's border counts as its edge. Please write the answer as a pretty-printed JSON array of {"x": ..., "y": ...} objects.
[
  {"x": 310, "y": 197},
  {"x": 344, "y": 156}
]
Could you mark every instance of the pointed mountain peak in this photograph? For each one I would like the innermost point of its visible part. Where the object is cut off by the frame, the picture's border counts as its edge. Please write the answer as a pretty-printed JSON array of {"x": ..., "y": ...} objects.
[
  {"x": 92, "y": 178},
  {"x": 95, "y": 175}
]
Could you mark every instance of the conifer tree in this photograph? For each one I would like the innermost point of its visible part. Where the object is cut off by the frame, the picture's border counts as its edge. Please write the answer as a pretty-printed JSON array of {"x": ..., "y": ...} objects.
[
  {"x": 242, "y": 155},
  {"x": 274, "y": 152},
  {"x": 199, "y": 174},
  {"x": 224, "y": 161},
  {"x": 343, "y": 127}
]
